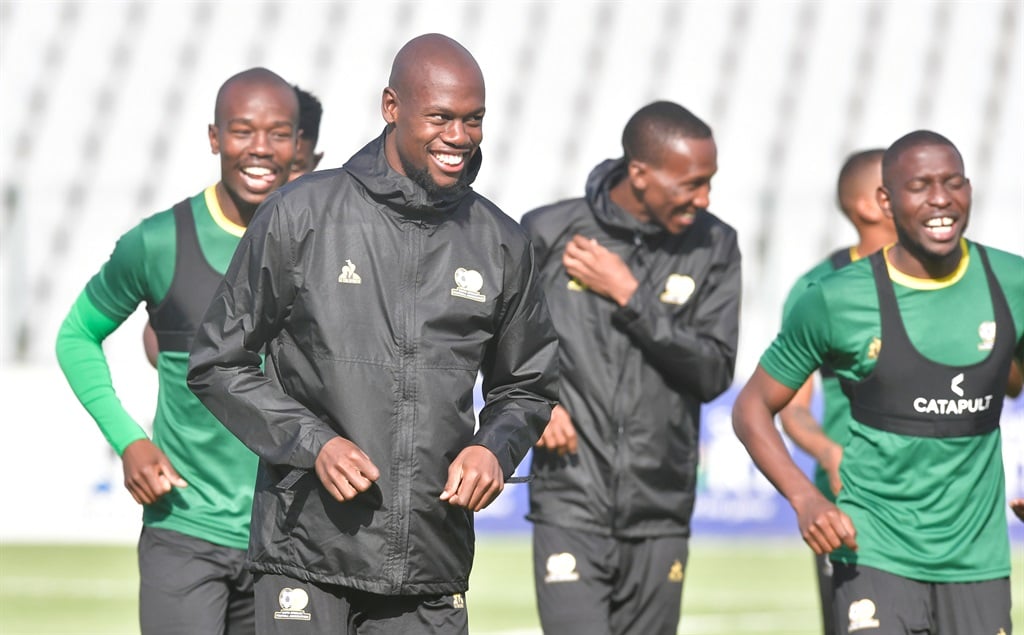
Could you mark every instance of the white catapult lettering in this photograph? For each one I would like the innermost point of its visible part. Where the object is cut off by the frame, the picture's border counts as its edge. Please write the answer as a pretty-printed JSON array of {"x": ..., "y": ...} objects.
[{"x": 953, "y": 406}]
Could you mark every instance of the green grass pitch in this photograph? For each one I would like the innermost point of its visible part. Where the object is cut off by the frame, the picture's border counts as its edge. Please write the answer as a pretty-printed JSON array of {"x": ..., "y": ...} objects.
[{"x": 732, "y": 586}]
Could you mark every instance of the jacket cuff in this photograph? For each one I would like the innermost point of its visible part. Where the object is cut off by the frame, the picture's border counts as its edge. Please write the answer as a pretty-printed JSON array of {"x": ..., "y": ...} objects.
[{"x": 626, "y": 315}]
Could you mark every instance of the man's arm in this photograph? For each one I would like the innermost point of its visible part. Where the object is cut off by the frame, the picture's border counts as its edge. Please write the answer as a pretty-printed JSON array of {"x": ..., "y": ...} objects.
[
  {"x": 110, "y": 297},
  {"x": 800, "y": 425},
  {"x": 823, "y": 526},
  {"x": 700, "y": 355},
  {"x": 247, "y": 311},
  {"x": 520, "y": 371}
]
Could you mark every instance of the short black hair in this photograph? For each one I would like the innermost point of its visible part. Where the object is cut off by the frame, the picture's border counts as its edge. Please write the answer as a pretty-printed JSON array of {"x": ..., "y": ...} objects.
[
  {"x": 650, "y": 127},
  {"x": 310, "y": 112},
  {"x": 913, "y": 140},
  {"x": 853, "y": 174}
]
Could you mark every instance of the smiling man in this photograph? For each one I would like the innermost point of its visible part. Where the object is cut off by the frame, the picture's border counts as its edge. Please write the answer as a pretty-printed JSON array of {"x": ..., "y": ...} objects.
[
  {"x": 643, "y": 284},
  {"x": 194, "y": 479},
  {"x": 379, "y": 291},
  {"x": 922, "y": 336}
]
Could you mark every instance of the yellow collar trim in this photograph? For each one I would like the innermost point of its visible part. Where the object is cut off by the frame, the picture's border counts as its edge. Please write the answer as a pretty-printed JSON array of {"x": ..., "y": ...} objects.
[
  {"x": 217, "y": 213},
  {"x": 929, "y": 284},
  {"x": 854, "y": 253}
]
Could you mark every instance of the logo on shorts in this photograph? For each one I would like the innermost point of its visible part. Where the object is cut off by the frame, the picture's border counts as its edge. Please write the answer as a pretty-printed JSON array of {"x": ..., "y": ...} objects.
[
  {"x": 348, "y": 274},
  {"x": 561, "y": 568},
  {"x": 678, "y": 289},
  {"x": 458, "y": 601},
  {"x": 468, "y": 284},
  {"x": 292, "y": 602},
  {"x": 862, "y": 615},
  {"x": 675, "y": 572}
]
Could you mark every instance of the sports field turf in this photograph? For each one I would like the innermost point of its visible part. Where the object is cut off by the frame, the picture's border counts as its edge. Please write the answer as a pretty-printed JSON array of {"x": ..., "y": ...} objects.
[{"x": 732, "y": 587}]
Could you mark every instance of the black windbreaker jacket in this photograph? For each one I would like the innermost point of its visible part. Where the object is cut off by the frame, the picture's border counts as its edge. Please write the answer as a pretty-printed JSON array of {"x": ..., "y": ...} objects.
[
  {"x": 633, "y": 378},
  {"x": 377, "y": 307}
]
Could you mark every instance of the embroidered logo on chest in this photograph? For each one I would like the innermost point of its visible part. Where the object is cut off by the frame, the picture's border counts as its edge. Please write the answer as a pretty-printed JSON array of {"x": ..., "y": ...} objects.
[
  {"x": 348, "y": 274},
  {"x": 468, "y": 283},
  {"x": 987, "y": 334},
  {"x": 678, "y": 289}
]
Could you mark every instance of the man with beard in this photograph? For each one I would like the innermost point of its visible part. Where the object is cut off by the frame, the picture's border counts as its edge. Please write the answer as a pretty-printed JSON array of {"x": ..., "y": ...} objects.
[
  {"x": 379, "y": 290},
  {"x": 922, "y": 336},
  {"x": 194, "y": 479},
  {"x": 643, "y": 284}
]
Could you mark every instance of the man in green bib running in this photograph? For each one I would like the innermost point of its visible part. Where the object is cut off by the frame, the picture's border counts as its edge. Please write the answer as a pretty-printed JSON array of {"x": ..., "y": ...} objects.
[
  {"x": 194, "y": 478},
  {"x": 858, "y": 182},
  {"x": 922, "y": 336}
]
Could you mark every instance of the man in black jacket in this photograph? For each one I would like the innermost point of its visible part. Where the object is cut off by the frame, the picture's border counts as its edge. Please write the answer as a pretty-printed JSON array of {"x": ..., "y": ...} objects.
[
  {"x": 643, "y": 285},
  {"x": 379, "y": 290}
]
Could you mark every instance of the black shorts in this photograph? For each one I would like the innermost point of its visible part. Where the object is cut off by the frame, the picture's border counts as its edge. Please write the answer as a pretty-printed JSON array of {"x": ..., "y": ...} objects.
[
  {"x": 188, "y": 585},
  {"x": 823, "y": 571},
  {"x": 589, "y": 584},
  {"x": 286, "y": 606},
  {"x": 870, "y": 601}
]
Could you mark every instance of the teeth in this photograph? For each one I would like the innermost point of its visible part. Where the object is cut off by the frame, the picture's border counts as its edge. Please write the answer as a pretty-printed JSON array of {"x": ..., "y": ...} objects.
[
  {"x": 944, "y": 221},
  {"x": 448, "y": 159},
  {"x": 257, "y": 172}
]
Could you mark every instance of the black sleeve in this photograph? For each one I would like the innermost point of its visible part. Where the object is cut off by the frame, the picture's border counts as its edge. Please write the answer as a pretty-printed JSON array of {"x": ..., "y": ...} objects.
[
  {"x": 248, "y": 310},
  {"x": 701, "y": 353}
]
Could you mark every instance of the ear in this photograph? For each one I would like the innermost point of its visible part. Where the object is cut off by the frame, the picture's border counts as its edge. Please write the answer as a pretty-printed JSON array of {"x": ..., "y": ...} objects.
[
  {"x": 884, "y": 201},
  {"x": 389, "y": 105},
  {"x": 214, "y": 141},
  {"x": 316, "y": 159},
  {"x": 637, "y": 173},
  {"x": 868, "y": 210}
]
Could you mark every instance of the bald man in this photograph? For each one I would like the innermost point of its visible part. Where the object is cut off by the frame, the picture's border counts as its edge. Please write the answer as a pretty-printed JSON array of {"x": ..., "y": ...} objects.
[
  {"x": 857, "y": 187},
  {"x": 922, "y": 335},
  {"x": 379, "y": 291},
  {"x": 193, "y": 478}
]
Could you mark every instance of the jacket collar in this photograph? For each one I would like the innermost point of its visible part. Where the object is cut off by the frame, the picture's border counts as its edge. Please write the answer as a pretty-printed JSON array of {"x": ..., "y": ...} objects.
[
  {"x": 602, "y": 178},
  {"x": 370, "y": 167}
]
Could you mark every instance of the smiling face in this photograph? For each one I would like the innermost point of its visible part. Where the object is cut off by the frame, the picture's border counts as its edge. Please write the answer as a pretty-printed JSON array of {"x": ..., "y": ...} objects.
[
  {"x": 672, "y": 190},
  {"x": 435, "y": 114},
  {"x": 928, "y": 197},
  {"x": 255, "y": 133}
]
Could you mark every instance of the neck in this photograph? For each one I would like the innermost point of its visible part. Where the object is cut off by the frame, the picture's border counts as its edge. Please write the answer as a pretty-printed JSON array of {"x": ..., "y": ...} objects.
[
  {"x": 919, "y": 264},
  {"x": 622, "y": 195},
  {"x": 235, "y": 210}
]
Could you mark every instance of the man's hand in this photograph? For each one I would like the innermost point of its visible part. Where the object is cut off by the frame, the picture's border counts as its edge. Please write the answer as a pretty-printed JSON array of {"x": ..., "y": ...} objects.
[
  {"x": 474, "y": 479},
  {"x": 559, "y": 435},
  {"x": 823, "y": 526},
  {"x": 344, "y": 469},
  {"x": 602, "y": 271},
  {"x": 1017, "y": 505},
  {"x": 148, "y": 473}
]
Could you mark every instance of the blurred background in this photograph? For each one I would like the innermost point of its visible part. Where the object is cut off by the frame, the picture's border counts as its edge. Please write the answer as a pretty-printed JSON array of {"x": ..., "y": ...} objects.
[{"x": 104, "y": 107}]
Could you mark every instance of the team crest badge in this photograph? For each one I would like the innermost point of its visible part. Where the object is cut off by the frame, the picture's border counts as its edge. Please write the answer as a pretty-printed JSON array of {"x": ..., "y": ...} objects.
[
  {"x": 874, "y": 348},
  {"x": 561, "y": 568},
  {"x": 468, "y": 283},
  {"x": 678, "y": 289},
  {"x": 987, "y": 334},
  {"x": 293, "y": 604},
  {"x": 862, "y": 615}
]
